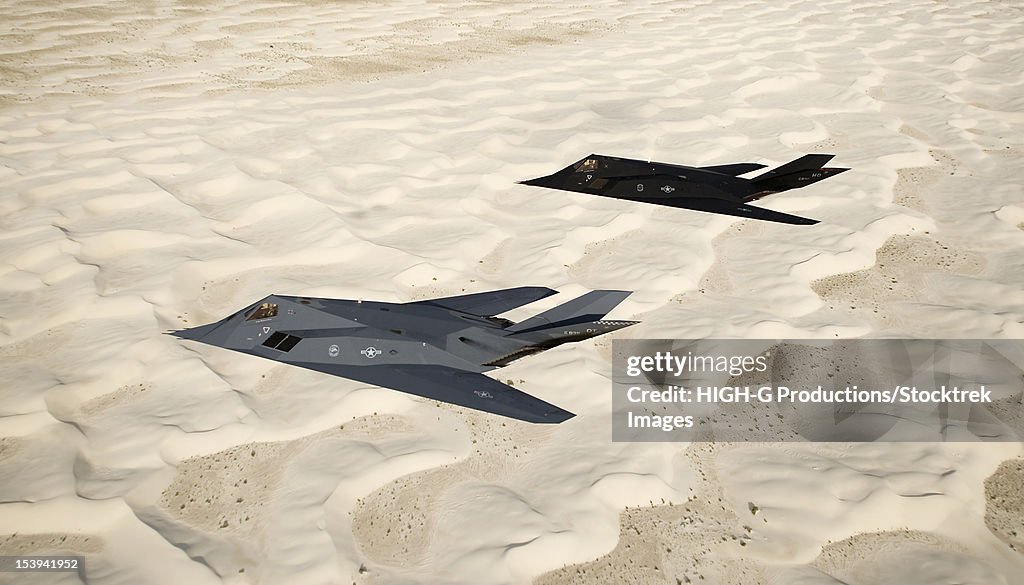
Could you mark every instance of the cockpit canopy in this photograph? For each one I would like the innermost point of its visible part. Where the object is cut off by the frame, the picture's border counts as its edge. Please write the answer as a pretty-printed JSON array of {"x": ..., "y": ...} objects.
[
  {"x": 587, "y": 166},
  {"x": 264, "y": 311}
]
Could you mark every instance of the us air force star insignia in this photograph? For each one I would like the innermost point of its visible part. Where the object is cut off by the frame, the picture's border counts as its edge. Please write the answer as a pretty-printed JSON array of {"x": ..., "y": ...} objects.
[
  {"x": 371, "y": 352},
  {"x": 483, "y": 394},
  {"x": 333, "y": 351},
  {"x": 668, "y": 189}
]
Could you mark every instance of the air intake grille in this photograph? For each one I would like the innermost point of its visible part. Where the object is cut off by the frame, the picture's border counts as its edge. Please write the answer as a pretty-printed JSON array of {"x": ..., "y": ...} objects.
[{"x": 281, "y": 341}]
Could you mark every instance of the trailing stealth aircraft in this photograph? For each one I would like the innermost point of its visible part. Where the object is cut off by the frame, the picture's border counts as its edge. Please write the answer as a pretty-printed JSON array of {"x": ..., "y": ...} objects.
[
  {"x": 434, "y": 348},
  {"x": 715, "y": 189}
]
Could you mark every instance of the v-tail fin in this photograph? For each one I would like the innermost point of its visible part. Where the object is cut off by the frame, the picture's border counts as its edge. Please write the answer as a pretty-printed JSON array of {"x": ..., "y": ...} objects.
[{"x": 806, "y": 170}]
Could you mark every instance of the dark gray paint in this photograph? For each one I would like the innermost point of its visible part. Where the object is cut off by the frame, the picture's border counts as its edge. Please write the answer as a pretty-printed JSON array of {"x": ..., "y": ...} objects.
[
  {"x": 714, "y": 189},
  {"x": 435, "y": 348}
]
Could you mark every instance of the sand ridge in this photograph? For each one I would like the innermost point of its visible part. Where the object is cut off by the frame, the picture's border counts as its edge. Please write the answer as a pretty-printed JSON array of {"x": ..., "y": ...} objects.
[
  {"x": 1004, "y": 514},
  {"x": 221, "y": 151},
  {"x": 97, "y": 49}
]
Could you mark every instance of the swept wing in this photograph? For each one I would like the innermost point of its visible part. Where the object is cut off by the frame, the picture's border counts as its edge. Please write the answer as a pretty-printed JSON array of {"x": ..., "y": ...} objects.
[{"x": 447, "y": 384}]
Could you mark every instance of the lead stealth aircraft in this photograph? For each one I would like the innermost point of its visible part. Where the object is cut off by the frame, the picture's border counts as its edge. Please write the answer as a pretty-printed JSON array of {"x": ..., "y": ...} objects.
[
  {"x": 435, "y": 348},
  {"x": 715, "y": 189}
]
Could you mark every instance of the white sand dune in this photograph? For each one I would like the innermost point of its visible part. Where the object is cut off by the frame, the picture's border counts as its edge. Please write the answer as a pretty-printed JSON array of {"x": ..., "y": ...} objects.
[{"x": 164, "y": 164}]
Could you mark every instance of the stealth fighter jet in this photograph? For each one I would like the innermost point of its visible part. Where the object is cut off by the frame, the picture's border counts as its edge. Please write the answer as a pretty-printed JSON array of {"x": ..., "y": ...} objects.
[
  {"x": 715, "y": 189},
  {"x": 434, "y": 348}
]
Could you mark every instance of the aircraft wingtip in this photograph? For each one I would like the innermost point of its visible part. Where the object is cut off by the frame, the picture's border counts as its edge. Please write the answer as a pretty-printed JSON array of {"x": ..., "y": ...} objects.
[{"x": 557, "y": 416}]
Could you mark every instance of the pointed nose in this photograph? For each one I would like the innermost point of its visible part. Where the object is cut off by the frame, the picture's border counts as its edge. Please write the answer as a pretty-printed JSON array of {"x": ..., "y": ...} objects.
[
  {"x": 538, "y": 182},
  {"x": 194, "y": 333}
]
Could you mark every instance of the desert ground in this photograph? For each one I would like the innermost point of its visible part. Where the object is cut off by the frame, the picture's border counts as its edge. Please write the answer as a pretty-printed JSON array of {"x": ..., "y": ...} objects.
[{"x": 164, "y": 164}]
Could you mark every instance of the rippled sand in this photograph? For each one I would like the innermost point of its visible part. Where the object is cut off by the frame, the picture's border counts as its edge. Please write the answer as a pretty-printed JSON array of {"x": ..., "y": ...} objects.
[{"x": 165, "y": 165}]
